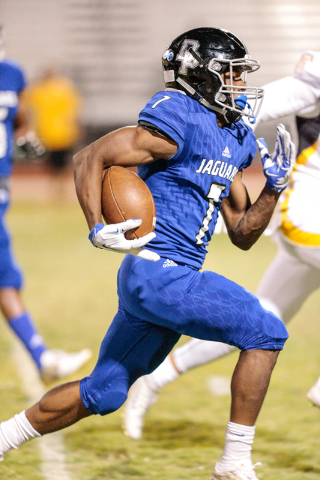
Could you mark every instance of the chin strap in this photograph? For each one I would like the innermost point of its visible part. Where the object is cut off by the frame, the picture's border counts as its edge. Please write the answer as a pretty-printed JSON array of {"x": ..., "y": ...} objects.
[
  {"x": 196, "y": 96},
  {"x": 241, "y": 102}
]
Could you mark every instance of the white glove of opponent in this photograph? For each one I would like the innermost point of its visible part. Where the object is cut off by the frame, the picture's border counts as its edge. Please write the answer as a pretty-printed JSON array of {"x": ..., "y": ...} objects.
[
  {"x": 111, "y": 237},
  {"x": 277, "y": 168}
]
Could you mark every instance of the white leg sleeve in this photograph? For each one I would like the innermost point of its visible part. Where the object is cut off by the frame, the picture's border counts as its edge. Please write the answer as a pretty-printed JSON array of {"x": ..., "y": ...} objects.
[
  {"x": 288, "y": 281},
  {"x": 199, "y": 352},
  {"x": 14, "y": 432},
  {"x": 164, "y": 374},
  {"x": 192, "y": 354}
]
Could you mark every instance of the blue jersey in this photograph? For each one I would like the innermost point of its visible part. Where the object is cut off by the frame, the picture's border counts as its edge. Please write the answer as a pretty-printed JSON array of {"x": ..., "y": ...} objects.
[
  {"x": 12, "y": 82},
  {"x": 188, "y": 188}
]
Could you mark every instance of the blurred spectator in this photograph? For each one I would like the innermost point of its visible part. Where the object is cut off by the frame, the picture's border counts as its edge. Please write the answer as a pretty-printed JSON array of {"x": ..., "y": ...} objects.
[
  {"x": 53, "y": 104},
  {"x": 52, "y": 364}
]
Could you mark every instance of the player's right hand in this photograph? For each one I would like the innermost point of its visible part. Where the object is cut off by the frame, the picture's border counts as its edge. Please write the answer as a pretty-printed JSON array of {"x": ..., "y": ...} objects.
[
  {"x": 278, "y": 168},
  {"x": 112, "y": 237}
]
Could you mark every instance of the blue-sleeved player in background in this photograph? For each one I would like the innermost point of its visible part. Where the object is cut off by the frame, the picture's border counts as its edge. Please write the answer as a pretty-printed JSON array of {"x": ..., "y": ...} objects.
[
  {"x": 190, "y": 146},
  {"x": 52, "y": 364}
]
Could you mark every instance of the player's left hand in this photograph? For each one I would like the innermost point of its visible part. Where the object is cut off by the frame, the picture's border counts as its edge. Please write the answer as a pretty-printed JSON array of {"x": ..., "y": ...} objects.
[{"x": 278, "y": 168}]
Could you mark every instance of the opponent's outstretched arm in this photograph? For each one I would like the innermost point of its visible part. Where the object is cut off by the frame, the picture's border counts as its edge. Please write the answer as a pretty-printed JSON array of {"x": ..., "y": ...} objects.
[{"x": 245, "y": 222}]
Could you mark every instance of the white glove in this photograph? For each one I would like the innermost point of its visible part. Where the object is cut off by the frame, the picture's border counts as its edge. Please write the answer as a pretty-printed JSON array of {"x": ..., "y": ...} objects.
[
  {"x": 278, "y": 168},
  {"x": 111, "y": 237}
]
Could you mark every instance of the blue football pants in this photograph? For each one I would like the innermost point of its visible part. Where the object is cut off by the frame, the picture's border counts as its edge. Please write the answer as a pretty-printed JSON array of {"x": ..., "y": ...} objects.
[{"x": 157, "y": 304}]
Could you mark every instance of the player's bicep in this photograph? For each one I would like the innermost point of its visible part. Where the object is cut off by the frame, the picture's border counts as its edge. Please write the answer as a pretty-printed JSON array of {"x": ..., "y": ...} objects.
[
  {"x": 130, "y": 146},
  {"x": 154, "y": 143},
  {"x": 236, "y": 204}
]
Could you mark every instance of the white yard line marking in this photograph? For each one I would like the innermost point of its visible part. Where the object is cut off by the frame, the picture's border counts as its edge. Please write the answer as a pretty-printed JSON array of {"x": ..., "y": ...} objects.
[
  {"x": 52, "y": 449},
  {"x": 219, "y": 386}
]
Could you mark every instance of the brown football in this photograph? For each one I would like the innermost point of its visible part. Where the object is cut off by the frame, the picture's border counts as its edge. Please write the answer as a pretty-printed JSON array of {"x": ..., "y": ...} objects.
[{"x": 125, "y": 196}]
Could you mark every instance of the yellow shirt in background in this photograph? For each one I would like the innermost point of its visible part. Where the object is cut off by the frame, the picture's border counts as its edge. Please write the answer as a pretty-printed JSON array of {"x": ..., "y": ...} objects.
[{"x": 54, "y": 105}]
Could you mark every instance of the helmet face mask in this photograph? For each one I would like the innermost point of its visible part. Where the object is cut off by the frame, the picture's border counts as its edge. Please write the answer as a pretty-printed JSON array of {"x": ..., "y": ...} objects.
[
  {"x": 200, "y": 61},
  {"x": 228, "y": 93}
]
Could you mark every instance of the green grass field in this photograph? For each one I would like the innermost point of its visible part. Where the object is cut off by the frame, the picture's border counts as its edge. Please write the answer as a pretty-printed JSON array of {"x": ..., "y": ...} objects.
[{"x": 71, "y": 291}]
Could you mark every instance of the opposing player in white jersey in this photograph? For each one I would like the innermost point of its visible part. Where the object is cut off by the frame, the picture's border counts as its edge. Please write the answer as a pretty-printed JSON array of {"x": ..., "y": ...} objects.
[{"x": 295, "y": 272}]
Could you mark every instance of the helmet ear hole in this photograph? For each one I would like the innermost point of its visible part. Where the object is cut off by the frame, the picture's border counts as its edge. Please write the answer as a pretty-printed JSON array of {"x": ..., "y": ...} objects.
[{"x": 214, "y": 66}]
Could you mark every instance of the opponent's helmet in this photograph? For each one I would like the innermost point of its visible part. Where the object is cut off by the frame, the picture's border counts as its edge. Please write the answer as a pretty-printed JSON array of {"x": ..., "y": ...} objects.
[{"x": 194, "y": 63}]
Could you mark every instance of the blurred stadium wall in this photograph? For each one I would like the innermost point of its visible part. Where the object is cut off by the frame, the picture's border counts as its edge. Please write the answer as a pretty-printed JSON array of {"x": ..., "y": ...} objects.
[{"x": 112, "y": 48}]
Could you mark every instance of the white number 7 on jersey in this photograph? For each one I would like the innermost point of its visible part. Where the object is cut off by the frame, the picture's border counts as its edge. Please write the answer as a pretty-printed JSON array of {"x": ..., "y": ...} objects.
[
  {"x": 215, "y": 191},
  {"x": 165, "y": 97}
]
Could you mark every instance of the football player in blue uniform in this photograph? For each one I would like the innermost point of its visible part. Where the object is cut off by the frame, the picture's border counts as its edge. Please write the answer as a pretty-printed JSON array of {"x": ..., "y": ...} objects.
[
  {"x": 295, "y": 271},
  {"x": 51, "y": 364},
  {"x": 190, "y": 146}
]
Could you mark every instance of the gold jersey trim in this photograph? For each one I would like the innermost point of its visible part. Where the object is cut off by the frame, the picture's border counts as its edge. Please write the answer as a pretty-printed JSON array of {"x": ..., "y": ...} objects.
[
  {"x": 289, "y": 230},
  {"x": 294, "y": 235}
]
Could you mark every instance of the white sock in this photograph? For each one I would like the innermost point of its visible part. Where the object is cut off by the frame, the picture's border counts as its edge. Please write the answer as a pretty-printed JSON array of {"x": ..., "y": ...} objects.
[
  {"x": 14, "y": 432},
  {"x": 238, "y": 446},
  {"x": 162, "y": 375},
  {"x": 199, "y": 352}
]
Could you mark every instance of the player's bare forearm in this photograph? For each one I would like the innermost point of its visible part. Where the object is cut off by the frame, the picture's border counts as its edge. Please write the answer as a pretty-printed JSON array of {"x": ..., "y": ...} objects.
[
  {"x": 88, "y": 182},
  {"x": 126, "y": 147},
  {"x": 246, "y": 231},
  {"x": 246, "y": 222}
]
